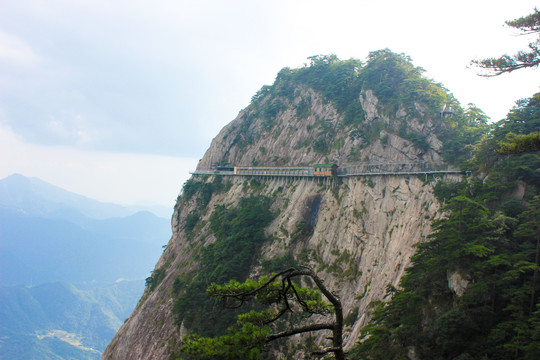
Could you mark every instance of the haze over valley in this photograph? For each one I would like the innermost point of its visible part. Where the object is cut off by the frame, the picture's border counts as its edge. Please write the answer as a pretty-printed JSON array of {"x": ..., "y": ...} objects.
[{"x": 71, "y": 269}]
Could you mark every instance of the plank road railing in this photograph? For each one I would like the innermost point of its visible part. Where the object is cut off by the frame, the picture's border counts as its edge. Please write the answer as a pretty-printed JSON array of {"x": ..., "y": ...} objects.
[
  {"x": 367, "y": 169},
  {"x": 397, "y": 168}
]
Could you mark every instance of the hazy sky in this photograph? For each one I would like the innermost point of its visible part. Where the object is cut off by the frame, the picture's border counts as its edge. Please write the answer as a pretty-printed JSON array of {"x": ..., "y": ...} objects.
[{"x": 118, "y": 99}]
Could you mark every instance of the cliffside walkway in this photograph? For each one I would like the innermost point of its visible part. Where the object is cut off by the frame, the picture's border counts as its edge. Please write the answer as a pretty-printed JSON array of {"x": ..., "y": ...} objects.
[
  {"x": 396, "y": 168},
  {"x": 360, "y": 169}
]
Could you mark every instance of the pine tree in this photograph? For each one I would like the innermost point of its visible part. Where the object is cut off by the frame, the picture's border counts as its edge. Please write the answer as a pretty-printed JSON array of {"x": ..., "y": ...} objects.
[{"x": 527, "y": 25}]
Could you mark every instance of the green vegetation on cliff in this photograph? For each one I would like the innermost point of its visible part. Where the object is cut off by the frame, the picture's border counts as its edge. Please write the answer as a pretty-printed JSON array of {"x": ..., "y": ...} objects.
[
  {"x": 404, "y": 97},
  {"x": 239, "y": 233},
  {"x": 392, "y": 77},
  {"x": 472, "y": 291}
]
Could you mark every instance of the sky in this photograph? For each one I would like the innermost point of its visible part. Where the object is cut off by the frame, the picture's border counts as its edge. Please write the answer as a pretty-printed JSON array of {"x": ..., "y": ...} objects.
[{"x": 117, "y": 100}]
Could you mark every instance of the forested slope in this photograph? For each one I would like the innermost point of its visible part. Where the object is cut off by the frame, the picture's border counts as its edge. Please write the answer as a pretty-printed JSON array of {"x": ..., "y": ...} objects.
[{"x": 473, "y": 289}]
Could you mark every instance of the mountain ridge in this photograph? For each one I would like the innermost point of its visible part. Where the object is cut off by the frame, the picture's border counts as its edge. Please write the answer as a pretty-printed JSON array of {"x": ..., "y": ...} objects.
[
  {"x": 50, "y": 234},
  {"x": 37, "y": 197},
  {"x": 365, "y": 229}
]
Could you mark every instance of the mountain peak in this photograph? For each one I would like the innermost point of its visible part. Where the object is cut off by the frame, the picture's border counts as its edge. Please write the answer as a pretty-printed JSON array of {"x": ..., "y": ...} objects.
[
  {"x": 341, "y": 111},
  {"x": 37, "y": 197}
]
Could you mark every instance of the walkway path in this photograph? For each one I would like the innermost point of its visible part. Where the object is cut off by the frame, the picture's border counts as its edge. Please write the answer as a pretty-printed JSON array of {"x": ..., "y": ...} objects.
[{"x": 366, "y": 169}]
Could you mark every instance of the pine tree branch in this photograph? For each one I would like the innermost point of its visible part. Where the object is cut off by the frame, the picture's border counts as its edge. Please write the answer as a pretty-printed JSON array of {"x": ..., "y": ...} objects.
[{"x": 301, "y": 330}]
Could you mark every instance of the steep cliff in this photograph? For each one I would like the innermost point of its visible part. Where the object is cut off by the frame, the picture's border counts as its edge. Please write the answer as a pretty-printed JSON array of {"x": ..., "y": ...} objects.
[{"x": 358, "y": 233}]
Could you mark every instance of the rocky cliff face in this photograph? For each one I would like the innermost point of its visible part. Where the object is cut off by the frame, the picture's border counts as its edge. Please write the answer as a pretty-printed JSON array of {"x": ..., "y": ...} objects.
[
  {"x": 320, "y": 135},
  {"x": 361, "y": 230}
]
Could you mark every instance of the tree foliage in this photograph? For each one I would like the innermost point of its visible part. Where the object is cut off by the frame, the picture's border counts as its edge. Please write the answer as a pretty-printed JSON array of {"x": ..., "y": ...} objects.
[
  {"x": 523, "y": 121},
  {"x": 278, "y": 298},
  {"x": 465, "y": 128},
  {"x": 530, "y": 58},
  {"x": 392, "y": 77},
  {"x": 490, "y": 242},
  {"x": 155, "y": 278},
  {"x": 518, "y": 144}
]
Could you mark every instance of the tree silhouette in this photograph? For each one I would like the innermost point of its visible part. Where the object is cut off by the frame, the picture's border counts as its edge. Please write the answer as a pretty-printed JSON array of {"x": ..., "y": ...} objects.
[
  {"x": 280, "y": 296},
  {"x": 527, "y": 25}
]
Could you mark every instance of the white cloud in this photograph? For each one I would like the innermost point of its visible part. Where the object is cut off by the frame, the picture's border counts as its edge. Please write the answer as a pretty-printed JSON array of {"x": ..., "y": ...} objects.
[
  {"x": 15, "y": 52},
  {"x": 111, "y": 177},
  {"x": 74, "y": 129}
]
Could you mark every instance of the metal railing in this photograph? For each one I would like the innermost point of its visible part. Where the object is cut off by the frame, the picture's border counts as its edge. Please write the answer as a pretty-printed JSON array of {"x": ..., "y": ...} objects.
[
  {"x": 397, "y": 168},
  {"x": 349, "y": 170}
]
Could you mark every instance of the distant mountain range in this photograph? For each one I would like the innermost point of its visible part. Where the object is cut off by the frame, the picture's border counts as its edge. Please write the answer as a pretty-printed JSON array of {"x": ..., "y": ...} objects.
[
  {"x": 48, "y": 234},
  {"x": 37, "y": 197},
  {"x": 62, "y": 258}
]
